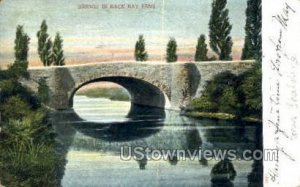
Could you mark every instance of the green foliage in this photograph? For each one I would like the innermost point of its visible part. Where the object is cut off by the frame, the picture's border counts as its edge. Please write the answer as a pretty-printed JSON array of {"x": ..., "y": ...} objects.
[
  {"x": 19, "y": 68},
  {"x": 14, "y": 108},
  {"x": 57, "y": 51},
  {"x": 140, "y": 53},
  {"x": 229, "y": 100},
  {"x": 250, "y": 88},
  {"x": 221, "y": 92},
  {"x": 171, "y": 50},
  {"x": 44, "y": 45},
  {"x": 219, "y": 30},
  {"x": 3, "y": 74},
  {"x": 201, "y": 49},
  {"x": 28, "y": 156},
  {"x": 27, "y": 145},
  {"x": 229, "y": 93},
  {"x": 17, "y": 71},
  {"x": 21, "y": 46},
  {"x": 252, "y": 46},
  {"x": 204, "y": 104},
  {"x": 43, "y": 91},
  {"x": 11, "y": 87}
]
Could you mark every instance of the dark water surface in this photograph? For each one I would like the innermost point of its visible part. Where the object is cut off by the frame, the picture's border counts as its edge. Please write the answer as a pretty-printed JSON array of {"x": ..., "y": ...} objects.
[{"x": 96, "y": 130}]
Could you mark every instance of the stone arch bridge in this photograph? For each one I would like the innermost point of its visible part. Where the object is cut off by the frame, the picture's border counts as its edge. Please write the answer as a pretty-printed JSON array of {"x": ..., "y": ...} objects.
[{"x": 149, "y": 83}]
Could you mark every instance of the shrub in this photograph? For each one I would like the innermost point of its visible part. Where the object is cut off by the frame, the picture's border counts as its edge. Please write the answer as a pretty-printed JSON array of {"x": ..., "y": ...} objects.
[
  {"x": 250, "y": 87},
  {"x": 203, "y": 104},
  {"x": 228, "y": 93},
  {"x": 14, "y": 108}
]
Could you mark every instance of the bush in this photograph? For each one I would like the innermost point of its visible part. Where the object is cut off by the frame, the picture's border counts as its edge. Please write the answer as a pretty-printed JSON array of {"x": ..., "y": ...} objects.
[
  {"x": 14, "y": 108},
  {"x": 204, "y": 105},
  {"x": 251, "y": 91},
  {"x": 221, "y": 93},
  {"x": 18, "y": 70},
  {"x": 11, "y": 87},
  {"x": 228, "y": 93},
  {"x": 228, "y": 102}
]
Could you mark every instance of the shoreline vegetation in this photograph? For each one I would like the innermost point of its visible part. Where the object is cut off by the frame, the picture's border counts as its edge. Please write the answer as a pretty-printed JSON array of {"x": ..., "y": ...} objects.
[
  {"x": 230, "y": 97},
  {"x": 114, "y": 94},
  {"x": 220, "y": 116},
  {"x": 30, "y": 153}
]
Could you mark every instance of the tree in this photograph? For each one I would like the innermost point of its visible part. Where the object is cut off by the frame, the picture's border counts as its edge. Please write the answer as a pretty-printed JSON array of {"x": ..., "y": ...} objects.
[
  {"x": 140, "y": 53},
  {"x": 252, "y": 45},
  {"x": 19, "y": 68},
  {"x": 21, "y": 46},
  {"x": 57, "y": 51},
  {"x": 219, "y": 30},
  {"x": 44, "y": 44},
  {"x": 171, "y": 50},
  {"x": 201, "y": 49}
]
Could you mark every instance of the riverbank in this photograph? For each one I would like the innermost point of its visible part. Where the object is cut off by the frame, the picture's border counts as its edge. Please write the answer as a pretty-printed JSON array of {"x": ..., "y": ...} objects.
[
  {"x": 115, "y": 94},
  {"x": 221, "y": 116}
]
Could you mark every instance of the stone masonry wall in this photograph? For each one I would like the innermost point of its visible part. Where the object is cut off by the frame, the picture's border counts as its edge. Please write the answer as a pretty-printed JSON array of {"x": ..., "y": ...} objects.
[{"x": 179, "y": 81}]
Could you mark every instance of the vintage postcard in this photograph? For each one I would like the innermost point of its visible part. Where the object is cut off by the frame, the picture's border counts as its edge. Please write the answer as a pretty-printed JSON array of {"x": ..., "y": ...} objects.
[{"x": 149, "y": 93}]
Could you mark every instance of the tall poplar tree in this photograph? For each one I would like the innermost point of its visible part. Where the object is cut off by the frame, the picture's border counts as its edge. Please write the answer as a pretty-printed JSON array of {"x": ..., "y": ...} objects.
[
  {"x": 57, "y": 51},
  {"x": 201, "y": 49},
  {"x": 219, "y": 30},
  {"x": 19, "y": 68},
  {"x": 21, "y": 46},
  {"x": 44, "y": 44},
  {"x": 171, "y": 50},
  {"x": 252, "y": 45},
  {"x": 140, "y": 53}
]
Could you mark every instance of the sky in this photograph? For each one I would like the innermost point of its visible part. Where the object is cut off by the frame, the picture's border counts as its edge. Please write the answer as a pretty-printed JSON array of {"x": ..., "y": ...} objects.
[{"x": 92, "y": 35}]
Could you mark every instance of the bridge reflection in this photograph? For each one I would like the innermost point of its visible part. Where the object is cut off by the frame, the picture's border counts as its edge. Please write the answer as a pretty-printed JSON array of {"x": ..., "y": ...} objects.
[{"x": 142, "y": 122}]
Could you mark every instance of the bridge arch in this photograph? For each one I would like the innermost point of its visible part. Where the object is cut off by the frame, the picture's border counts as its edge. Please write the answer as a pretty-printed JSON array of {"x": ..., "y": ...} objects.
[{"x": 142, "y": 92}]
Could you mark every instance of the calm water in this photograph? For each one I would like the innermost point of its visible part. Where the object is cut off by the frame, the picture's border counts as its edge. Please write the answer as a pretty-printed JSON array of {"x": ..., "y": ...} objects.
[{"x": 97, "y": 128}]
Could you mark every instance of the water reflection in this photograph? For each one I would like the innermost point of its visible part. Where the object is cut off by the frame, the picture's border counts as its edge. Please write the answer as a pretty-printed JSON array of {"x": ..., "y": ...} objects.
[
  {"x": 95, "y": 148},
  {"x": 222, "y": 174},
  {"x": 255, "y": 178},
  {"x": 140, "y": 124}
]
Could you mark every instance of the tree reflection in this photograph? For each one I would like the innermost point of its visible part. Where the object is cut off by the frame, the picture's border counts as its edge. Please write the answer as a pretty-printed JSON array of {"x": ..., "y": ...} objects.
[
  {"x": 255, "y": 178},
  {"x": 173, "y": 160},
  {"x": 194, "y": 142},
  {"x": 142, "y": 163},
  {"x": 222, "y": 174}
]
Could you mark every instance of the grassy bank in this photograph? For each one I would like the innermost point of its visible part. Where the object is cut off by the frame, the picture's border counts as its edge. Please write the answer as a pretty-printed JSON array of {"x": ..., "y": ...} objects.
[
  {"x": 222, "y": 116},
  {"x": 116, "y": 94},
  {"x": 29, "y": 153}
]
